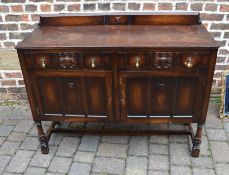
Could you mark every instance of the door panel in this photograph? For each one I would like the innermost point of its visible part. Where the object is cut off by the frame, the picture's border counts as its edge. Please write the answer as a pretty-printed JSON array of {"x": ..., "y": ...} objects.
[
  {"x": 161, "y": 96},
  {"x": 72, "y": 96},
  {"x": 96, "y": 96},
  {"x": 186, "y": 93},
  {"x": 136, "y": 94},
  {"x": 149, "y": 96},
  {"x": 50, "y": 89}
]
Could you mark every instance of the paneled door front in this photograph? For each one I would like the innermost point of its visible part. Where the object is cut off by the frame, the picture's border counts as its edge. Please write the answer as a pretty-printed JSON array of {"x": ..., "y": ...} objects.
[
  {"x": 147, "y": 95},
  {"x": 80, "y": 95}
]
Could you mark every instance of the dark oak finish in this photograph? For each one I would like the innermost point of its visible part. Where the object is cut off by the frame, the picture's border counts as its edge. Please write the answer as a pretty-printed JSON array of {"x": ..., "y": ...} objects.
[{"x": 119, "y": 68}]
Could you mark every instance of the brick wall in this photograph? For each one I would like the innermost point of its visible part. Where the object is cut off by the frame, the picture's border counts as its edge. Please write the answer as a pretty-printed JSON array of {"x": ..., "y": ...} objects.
[
  {"x": 12, "y": 85},
  {"x": 11, "y": 78},
  {"x": 19, "y": 17}
]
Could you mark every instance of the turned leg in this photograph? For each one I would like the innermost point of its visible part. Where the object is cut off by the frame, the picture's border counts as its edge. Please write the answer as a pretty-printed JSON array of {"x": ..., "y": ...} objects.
[
  {"x": 42, "y": 139},
  {"x": 197, "y": 141}
]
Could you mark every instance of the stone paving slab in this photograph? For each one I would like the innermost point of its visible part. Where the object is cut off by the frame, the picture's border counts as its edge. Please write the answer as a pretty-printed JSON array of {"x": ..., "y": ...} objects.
[
  {"x": 109, "y": 155},
  {"x": 180, "y": 170},
  {"x": 136, "y": 165},
  {"x": 80, "y": 169}
]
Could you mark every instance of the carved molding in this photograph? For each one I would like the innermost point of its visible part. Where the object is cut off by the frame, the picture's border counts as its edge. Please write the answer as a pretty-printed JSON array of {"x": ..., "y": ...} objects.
[
  {"x": 67, "y": 60},
  {"x": 163, "y": 60}
]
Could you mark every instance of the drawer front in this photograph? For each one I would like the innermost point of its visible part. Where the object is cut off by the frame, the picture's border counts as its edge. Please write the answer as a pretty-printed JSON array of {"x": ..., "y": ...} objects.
[
  {"x": 193, "y": 60},
  {"x": 96, "y": 61},
  {"x": 93, "y": 61},
  {"x": 148, "y": 60},
  {"x": 130, "y": 60},
  {"x": 164, "y": 60},
  {"x": 70, "y": 60},
  {"x": 137, "y": 61},
  {"x": 41, "y": 60}
]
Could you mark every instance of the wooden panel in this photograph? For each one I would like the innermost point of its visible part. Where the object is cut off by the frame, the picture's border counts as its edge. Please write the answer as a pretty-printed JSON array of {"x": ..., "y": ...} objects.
[
  {"x": 46, "y": 20},
  {"x": 186, "y": 92},
  {"x": 136, "y": 95},
  {"x": 117, "y": 20},
  {"x": 161, "y": 96},
  {"x": 50, "y": 89},
  {"x": 163, "y": 19},
  {"x": 72, "y": 96},
  {"x": 96, "y": 96}
]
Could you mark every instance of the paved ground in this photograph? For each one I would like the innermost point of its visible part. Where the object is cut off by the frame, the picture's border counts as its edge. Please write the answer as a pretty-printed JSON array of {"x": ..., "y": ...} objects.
[{"x": 82, "y": 155}]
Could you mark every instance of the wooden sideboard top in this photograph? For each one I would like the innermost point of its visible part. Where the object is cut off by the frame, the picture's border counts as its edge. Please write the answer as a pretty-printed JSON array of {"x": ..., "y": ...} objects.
[{"x": 119, "y": 31}]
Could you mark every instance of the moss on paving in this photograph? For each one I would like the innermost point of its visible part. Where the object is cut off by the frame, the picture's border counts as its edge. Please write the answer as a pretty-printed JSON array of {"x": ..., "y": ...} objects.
[
  {"x": 215, "y": 100},
  {"x": 8, "y": 103}
]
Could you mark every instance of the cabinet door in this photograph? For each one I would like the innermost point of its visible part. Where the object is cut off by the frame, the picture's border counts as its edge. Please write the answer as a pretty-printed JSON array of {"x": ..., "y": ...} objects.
[
  {"x": 80, "y": 95},
  {"x": 147, "y": 95}
]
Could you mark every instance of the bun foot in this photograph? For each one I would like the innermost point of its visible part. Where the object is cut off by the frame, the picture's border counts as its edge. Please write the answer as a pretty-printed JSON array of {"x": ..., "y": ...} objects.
[
  {"x": 196, "y": 147},
  {"x": 45, "y": 149},
  {"x": 195, "y": 152}
]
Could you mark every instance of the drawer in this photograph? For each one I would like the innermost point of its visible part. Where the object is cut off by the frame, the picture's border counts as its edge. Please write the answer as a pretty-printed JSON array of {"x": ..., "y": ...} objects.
[
  {"x": 41, "y": 60},
  {"x": 70, "y": 60},
  {"x": 96, "y": 61},
  {"x": 193, "y": 60},
  {"x": 137, "y": 60}
]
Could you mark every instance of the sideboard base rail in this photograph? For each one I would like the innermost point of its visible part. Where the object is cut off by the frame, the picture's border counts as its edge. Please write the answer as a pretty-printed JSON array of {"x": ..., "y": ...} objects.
[{"x": 44, "y": 138}]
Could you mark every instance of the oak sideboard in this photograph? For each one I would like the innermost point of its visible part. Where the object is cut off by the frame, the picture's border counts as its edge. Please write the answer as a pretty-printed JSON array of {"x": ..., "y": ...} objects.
[{"x": 120, "y": 68}]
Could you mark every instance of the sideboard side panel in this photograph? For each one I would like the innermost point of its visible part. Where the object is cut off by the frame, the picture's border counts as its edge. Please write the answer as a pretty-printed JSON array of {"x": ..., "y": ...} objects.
[
  {"x": 28, "y": 85},
  {"x": 207, "y": 92}
]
